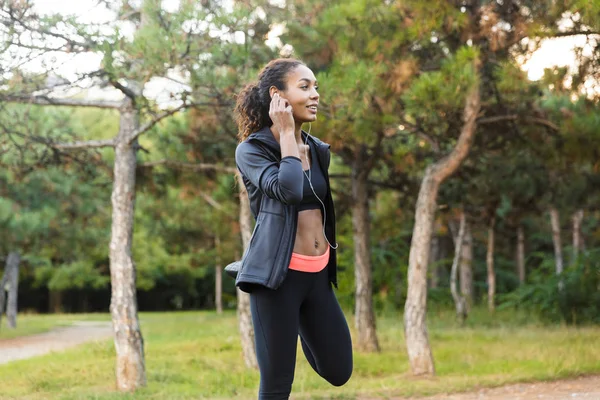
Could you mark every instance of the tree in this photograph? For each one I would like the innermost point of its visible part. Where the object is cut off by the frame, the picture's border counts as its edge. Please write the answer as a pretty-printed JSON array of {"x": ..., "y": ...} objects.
[
  {"x": 497, "y": 30},
  {"x": 459, "y": 299},
  {"x": 243, "y": 305},
  {"x": 417, "y": 341},
  {"x": 491, "y": 273},
  {"x": 162, "y": 40},
  {"x": 10, "y": 284},
  {"x": 44, "y": 208}
]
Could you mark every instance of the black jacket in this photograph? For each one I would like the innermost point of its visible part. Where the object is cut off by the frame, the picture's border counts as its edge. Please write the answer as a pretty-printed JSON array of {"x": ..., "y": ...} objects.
[{"x": 275, "y": 187}]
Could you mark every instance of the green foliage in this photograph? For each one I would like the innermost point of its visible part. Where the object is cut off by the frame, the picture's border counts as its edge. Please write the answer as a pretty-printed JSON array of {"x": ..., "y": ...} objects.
[
  {"x": 44, "y": 209},
  {"x": 77, "y": 275},
  {"x": 353, "y": 83},
  {"x": 434, "y": 96},
  {"x": 513, "y": 84},
  {"x": 578, "y": 302},
  {"x": 6, "y": 211},
  {"x": 155, "y": 264}
]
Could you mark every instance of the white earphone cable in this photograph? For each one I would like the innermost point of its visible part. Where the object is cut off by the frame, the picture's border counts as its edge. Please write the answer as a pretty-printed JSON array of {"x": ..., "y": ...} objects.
[{"x": 313, "y": 190}]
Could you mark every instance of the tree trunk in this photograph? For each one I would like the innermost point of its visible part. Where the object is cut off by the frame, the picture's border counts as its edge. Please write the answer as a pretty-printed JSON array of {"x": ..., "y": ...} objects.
[
  {"x": 577, "y": 238},
  {"x": 3, "y": 289},
  {"x": 558, "y": 256},
  {"x": 12, "y": 263},
  {"x": 364, "y": 313},
  {"x": 415, "y": 329},
  {"x": 491, "y": 273},
  {"x": 218, "y": 277},
  {"x": 9, "y": 289},
  {"x": 85, "y": 302},
  {"x": 459, "y": 299},
  {"x": 5, "y": 286},
  {"x": 243, "y": 299},
  {"x": 521, "y": 254},
  {"x": 435, "y": 257},
  {"x": 129, "y": 344},
  {"x": 466, "y": 267},
  {"x": 55, "y": 302}
]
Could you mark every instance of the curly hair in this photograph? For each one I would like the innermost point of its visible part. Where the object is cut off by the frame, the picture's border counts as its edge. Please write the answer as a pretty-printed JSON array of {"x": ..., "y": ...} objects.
[{"x": 252, "y": 104}]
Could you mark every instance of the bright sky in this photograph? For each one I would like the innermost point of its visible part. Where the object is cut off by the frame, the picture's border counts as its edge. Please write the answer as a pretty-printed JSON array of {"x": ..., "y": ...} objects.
[
  {"x": 89, "y": 11},
  {"x": 553, "y": 52}
]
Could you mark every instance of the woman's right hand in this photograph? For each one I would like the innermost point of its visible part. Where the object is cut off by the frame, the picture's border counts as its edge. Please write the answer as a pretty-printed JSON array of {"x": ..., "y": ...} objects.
[{"x": 280, "y": 112}]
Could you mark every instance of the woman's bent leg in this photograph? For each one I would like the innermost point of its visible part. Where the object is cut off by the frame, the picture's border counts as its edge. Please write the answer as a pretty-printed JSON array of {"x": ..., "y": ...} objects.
[{"x": 325, "y": 335}]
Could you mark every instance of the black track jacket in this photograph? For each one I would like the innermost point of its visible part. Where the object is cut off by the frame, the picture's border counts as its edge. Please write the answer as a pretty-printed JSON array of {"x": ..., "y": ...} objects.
[{"x": 275, "y": 187}]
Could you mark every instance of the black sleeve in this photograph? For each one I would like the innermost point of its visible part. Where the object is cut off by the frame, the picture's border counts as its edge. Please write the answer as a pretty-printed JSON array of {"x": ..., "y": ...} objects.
[{"x": 281, "y": 181}]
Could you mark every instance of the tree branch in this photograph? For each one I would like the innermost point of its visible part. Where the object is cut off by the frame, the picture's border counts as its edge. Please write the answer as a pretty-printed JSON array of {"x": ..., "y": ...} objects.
[
  {"x": 380, "y": 184},
  {"x": 514, "y": 117},
  {"x": 574, "y": 33},
  {"x": 340, "y": 176},
  {"x": 192, "y": 166},
  {"x": 496, "y": 118},
  {"x": 86, "y": 46},
  {"x": 45, "y": 100},
  {"x": 125, "y": 90},
  {"x": 544, "y": 122},
  {"x": 149, "y": 125},
  {"x": 211, "y": 201},
  {"x": 91, "y": 144},
  {"x": 448, "y": 165},
  {"x": 432, "y": 142}
]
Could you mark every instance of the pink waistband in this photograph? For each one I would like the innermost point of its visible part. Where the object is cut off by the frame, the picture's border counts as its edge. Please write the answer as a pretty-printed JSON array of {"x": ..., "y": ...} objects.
[{"x": 304, "y": 263}]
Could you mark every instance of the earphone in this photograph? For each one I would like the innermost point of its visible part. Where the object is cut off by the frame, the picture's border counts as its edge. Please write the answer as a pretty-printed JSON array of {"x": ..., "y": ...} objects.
[{"x": 315, "y": 193}]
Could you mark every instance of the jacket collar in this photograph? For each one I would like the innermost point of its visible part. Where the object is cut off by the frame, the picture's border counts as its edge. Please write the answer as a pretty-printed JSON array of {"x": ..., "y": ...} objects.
[{"x": 266, "y": 137}]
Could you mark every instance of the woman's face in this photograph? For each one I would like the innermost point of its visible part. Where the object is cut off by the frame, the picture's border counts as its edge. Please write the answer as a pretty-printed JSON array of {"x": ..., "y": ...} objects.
[{"x": 301, "y": 93}]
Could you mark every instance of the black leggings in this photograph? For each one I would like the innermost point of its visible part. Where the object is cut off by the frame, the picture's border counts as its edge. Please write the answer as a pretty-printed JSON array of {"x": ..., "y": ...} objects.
[{"x": 304, "y": 304}]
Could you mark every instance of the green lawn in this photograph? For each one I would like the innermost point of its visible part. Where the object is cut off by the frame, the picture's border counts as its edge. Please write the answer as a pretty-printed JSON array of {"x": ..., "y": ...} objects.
[{"x": 196, "y": 355}]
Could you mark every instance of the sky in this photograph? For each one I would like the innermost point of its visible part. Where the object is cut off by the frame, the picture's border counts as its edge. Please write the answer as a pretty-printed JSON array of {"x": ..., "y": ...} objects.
[
  {"x": 555, "y": 52},
  {"x": 89, "y": 12}
]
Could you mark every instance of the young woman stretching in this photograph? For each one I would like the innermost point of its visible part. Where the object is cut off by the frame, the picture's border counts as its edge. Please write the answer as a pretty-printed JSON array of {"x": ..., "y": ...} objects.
[{"x": 290, "y": 265}]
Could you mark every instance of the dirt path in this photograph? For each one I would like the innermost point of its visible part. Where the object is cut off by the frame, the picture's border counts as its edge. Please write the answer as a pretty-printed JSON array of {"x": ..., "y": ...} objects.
[
  {"x": 587, "y": 388},
  {"x": 57, "y": 339}
]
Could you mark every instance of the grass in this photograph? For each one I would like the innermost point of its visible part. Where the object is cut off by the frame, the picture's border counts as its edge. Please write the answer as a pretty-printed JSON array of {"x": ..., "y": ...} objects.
[{"x": 197, "y": 355}]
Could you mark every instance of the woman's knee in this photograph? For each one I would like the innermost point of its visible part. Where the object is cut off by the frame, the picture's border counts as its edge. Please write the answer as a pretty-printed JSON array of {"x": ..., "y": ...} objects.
[
  {"x": 340, "y": 375},
  {"x": 339, "y": 368}
]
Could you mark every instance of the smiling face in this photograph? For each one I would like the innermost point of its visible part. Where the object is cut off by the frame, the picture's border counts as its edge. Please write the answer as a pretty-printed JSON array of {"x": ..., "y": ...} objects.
[{"x": 301, "y": 93}]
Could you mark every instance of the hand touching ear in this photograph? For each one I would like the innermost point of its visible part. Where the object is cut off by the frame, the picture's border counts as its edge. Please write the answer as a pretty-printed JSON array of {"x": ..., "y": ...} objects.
[{"x": 280, "y": 112}]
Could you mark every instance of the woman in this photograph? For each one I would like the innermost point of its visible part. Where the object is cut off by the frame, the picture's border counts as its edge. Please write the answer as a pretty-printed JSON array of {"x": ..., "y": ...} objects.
[{"x": 290, "y": 264}]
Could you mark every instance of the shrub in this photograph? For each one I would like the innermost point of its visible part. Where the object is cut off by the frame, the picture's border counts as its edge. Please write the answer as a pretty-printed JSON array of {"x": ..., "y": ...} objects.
[{"x": 573, "y": 297}]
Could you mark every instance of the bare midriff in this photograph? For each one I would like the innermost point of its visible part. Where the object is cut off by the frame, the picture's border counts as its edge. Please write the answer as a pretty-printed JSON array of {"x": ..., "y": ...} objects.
[{"x": 309, "y": 235}]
